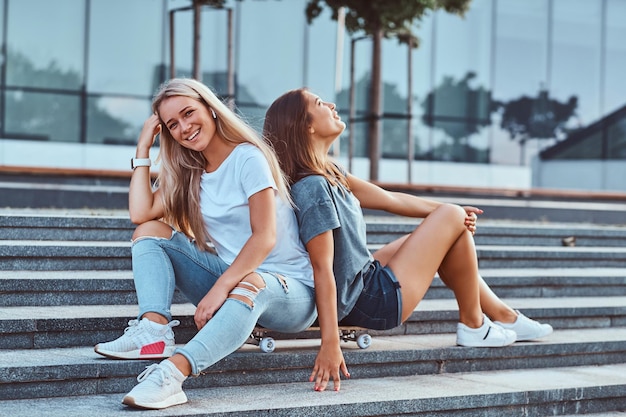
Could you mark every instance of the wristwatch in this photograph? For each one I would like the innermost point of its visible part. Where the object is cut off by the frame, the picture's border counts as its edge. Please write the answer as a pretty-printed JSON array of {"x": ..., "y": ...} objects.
[{"x": 140, "y": 162}]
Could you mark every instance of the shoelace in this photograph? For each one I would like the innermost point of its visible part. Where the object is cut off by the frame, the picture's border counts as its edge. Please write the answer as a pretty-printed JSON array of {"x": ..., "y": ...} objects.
[
  {"x": 159, "y": 374},
  {"x": 132, "y": 326}
]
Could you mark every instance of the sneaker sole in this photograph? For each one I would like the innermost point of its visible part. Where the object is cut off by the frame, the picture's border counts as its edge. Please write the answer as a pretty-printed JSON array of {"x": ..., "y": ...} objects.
[
  {"x": 488, "y": 342},
  {"x": 526, "y": 338},
  {"x": 484, "y": 345},
  {"x": 176, "y": 399},
  {"x": 136, "y": 354}
]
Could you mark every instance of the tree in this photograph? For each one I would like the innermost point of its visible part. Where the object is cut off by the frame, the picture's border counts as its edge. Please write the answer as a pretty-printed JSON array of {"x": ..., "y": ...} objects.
[
  {"x": 395, "y": 105},
  {"x": 458, "y": 109},
  {"x": 382, "y": 19},
  {"x": 538, "y": 117}
]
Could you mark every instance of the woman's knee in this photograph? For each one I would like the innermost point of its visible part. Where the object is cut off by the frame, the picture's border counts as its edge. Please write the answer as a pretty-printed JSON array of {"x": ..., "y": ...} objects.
[
  {"x": 153, "y": 228},
  {"x": 248, "y": 289},
  {"x": 452, "y": 212}
]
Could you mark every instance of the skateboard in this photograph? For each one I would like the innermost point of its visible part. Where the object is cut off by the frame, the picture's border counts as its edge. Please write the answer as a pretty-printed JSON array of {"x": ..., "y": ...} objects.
[{"x": 265, "y": 339}]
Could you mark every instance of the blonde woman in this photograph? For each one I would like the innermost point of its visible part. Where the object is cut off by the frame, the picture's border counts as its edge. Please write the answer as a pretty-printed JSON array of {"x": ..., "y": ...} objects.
[
  {"x": 219, "y": 186},
  {"x": 379, "y": 290}
]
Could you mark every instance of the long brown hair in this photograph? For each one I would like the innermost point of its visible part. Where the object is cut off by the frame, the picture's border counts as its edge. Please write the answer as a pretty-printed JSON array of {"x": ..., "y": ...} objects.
[
  {"x": 182, "y": 168},
  {"x": 286, "y": 127}
]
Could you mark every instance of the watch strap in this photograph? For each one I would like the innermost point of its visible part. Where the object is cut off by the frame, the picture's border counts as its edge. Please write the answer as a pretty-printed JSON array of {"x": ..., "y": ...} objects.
[{"x": 140, "y": 162}]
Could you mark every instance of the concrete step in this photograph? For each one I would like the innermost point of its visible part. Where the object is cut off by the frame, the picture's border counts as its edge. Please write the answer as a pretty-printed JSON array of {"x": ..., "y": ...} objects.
[
  {"x": 66, "y": 326},
  {"x": 381, "y": 230},
  {"x": 51, "y": 288},
  {"x": 55, "y": 226},
  {"x": 51, "y": 255},
  {"x": 42, "y": 193},
  {"x": 80, "y": 371},
  {"x": 577, "y": 390},
  {"x": 95, "y": 226}
]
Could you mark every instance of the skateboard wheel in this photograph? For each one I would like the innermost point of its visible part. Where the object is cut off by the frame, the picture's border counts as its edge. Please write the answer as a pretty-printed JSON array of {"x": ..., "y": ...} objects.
[
  {"x": 364, "y": 341},
  {"x": 267, "y": 345}
]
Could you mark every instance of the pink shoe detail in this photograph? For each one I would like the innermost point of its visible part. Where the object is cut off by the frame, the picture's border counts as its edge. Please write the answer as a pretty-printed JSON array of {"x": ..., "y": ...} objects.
[{"x": 153, "y": 348}]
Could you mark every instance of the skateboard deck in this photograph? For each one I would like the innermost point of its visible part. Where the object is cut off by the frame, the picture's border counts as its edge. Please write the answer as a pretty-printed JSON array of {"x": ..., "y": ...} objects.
[{"x": 265, "y": 339}]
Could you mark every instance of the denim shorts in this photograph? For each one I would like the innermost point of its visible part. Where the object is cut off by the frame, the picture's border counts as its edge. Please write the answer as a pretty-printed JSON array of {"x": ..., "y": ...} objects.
[{"x": 379, "y": 306}]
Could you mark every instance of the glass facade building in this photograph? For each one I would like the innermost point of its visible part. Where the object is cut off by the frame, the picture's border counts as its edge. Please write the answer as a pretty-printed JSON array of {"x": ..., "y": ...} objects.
[{"x": 508, "y": 80}]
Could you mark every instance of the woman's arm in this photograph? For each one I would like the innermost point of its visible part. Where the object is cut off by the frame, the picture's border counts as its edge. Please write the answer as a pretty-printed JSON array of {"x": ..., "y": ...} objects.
[
  {"x": 257, "y": 247},
  {"x": 374, "y": 197},
  {"x": 143, "y": 203},
  {"x": 329, "y": 360}
]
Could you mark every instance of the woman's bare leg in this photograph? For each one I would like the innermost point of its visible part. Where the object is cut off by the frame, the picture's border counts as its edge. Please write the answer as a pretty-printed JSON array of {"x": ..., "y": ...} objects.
[
  {"x": 416, "y": 258},
  {"x": 493, "y": 306},
  {"x": 490, "y": 303}
]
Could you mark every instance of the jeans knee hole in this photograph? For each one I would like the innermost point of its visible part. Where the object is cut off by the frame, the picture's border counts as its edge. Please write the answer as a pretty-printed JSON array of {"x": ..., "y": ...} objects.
[{"x": 243, "y": 299}]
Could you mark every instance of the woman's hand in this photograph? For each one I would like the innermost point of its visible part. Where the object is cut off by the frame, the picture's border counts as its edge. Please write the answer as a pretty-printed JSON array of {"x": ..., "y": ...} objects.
[
  {"x": 151, "y": 128},
  {"x": 328, "y": 363},
  {"x": 471, "y": 218},
  {"x": 208, "y": 306}
]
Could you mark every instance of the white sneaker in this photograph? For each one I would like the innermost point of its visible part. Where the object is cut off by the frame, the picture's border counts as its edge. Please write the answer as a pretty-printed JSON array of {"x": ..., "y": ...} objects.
[
  {"x": 160, "y": 386},
  {"x": 487, "y": 335},
  {"x": 527, "y": 329},
  {"x": 141, "y": 340}
]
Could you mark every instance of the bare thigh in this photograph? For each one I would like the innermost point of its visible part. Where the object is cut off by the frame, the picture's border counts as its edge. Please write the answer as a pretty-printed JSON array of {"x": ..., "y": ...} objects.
[
  {"x": 153, "y": 228},
  {"x": 415, "y": 258}
]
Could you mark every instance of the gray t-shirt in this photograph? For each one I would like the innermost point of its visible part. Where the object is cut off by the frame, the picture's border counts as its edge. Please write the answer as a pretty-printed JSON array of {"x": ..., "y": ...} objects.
[{"x": 321, "y": 207}]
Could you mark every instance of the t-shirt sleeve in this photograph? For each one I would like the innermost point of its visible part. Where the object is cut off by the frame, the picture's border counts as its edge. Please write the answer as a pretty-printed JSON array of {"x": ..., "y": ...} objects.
[
  {"x": 255, "y": 172},
  {"x": 315, "y": 209}
]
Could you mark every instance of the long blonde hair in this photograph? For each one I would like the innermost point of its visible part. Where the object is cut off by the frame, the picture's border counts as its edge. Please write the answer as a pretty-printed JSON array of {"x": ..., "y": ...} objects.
[{"x": 182, "y": 168}]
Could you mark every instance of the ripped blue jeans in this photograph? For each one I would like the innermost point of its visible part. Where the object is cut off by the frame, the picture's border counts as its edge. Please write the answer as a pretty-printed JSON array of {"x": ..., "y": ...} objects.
[{"x": 160, "y": 265}]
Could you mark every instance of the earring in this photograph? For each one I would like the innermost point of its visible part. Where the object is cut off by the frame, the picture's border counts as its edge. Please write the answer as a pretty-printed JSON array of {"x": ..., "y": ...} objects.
[{"x": 213, "y": 114}]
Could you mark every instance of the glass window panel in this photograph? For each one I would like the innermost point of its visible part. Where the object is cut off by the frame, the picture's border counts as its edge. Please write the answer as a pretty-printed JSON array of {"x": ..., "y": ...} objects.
[
  {"x": 321, "y": 56},
  {"x": 394, "y": 68},
  {"x": 576, "y": 34},
  {"x": 362, "y": 77},
  {"x": 115, "y": 120},
  {"x": 460, "y": 142},
  {"x": 213, "y": 45},
  {"x": 271, "y": 59},
  {"x": 462, "y": 62},
  {"x": 45, "y": 43},
  {"x": 617, "y": 140},
  {"x": 521, "y": 48},
  {"x": 422, "y": 138},
  {"x": 253, "y": 115},
  {"x": 615, "y": 87},
  {"x": 2, "y": 31},
  {"x": 504, "y": 149},
  {"x": 589, "y": 147},
  {"x": 520, "y": 71},
  {"x": 423, "y": 64},
  {"x": 359, "y": 145},
  {"x": 394, "y": 138},
  {"x": 214, "y": 48},
  {"x": 125, "y": 46},
  {"x": 183, "y": 39},
  {"x": 42, "y": 116}
]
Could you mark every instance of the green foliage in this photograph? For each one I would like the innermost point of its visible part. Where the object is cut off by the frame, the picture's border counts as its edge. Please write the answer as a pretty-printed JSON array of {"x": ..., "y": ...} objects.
[
  {"x": 457, "y": 108},
  {"x": 396, "y": 18},
  {"x": 538, "y": 117}
]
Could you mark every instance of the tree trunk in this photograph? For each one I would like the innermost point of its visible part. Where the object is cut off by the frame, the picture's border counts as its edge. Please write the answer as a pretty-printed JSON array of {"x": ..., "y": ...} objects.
[{"x": 375, "y": 105}]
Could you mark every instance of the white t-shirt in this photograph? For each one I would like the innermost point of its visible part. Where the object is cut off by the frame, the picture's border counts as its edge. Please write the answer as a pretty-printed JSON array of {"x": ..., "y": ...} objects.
[{"x": 224, "y": 196}]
